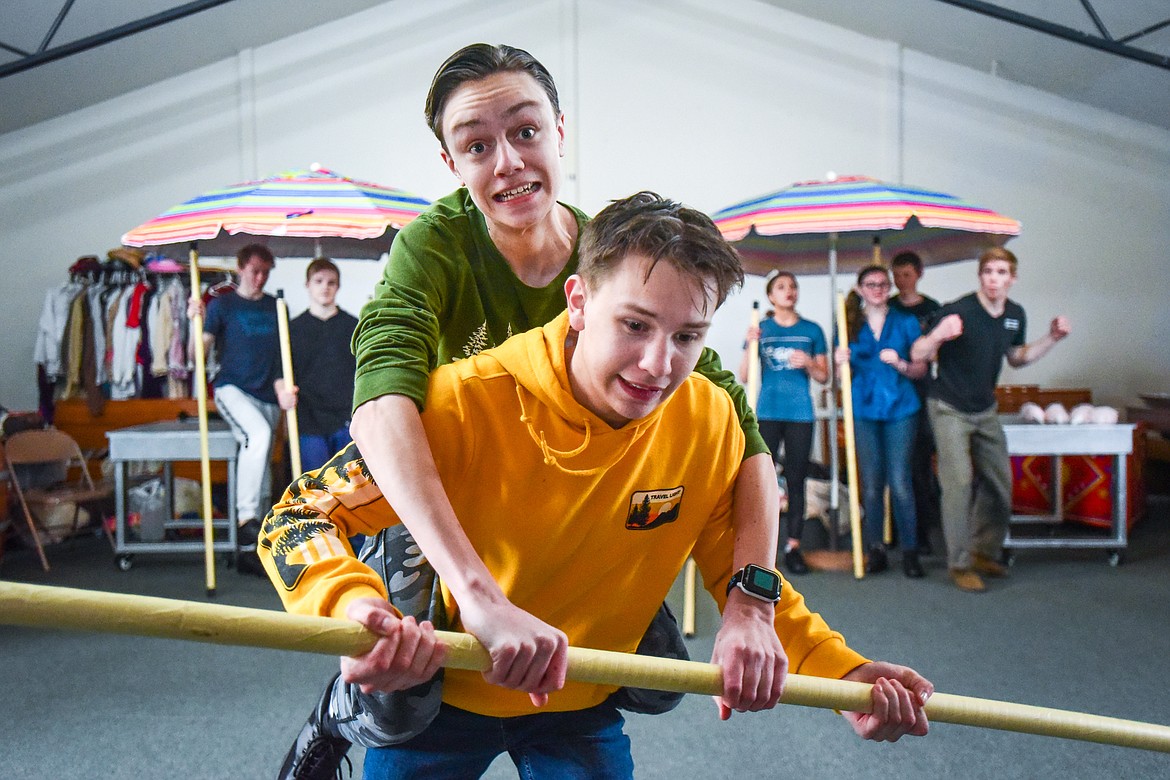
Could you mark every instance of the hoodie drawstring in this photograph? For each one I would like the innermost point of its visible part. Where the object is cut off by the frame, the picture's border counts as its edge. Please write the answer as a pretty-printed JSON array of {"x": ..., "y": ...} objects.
[{"x": 551, "y": 455}]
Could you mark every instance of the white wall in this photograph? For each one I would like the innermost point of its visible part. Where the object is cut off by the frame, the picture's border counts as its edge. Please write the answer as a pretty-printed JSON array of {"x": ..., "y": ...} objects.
[{"x": 707, "y": 102}]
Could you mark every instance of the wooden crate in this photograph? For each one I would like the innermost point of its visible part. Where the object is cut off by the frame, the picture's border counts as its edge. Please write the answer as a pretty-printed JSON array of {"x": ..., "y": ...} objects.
[
  {"x": 1067, "y": 397},
  {"x": 1009, "y": 398}
]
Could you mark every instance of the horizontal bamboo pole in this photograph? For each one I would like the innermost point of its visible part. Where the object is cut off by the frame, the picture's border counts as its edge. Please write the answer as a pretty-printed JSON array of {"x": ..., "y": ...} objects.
[{"x": 69, "y": 608}]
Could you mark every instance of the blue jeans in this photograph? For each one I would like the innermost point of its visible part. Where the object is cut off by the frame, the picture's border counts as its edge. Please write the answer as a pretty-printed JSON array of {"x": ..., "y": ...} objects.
[
  {"x": 460, "y": 744},
  {"x": 883, "y": 457},
  {"x": 317, "y": 450}
]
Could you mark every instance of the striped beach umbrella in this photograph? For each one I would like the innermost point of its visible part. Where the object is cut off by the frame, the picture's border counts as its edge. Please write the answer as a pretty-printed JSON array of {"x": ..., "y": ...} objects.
[
  {"x": 298, "y": 213},
  {"x": 846, "y": 223},
  {"x": 792, "y": 228}
]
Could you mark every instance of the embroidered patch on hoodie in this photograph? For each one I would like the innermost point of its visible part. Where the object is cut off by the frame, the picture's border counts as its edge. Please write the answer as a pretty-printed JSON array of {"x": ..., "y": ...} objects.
[{"x": 652, "y": 508}]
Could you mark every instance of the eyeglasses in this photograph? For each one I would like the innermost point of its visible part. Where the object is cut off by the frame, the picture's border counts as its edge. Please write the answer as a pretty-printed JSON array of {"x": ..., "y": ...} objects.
[{"x": 876, "y": 285}]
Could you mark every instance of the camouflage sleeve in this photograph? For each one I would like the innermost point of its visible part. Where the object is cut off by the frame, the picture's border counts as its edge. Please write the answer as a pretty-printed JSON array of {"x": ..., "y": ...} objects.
[{"x": 304, "y": 544}]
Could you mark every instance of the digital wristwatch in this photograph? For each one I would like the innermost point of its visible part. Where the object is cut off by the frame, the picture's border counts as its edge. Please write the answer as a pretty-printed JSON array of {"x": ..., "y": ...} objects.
[{"x": 758, "y": 582}]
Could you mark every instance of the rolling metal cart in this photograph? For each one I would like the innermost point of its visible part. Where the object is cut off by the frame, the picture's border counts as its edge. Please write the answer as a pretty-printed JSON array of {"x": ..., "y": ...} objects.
[
  {"x": 170, "y": 442},
  {"x": 1056, "y": 441}
]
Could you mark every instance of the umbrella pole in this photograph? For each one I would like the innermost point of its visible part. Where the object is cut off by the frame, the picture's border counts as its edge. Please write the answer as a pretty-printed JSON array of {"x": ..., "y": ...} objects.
[
  {"x": 286, "y": 364},
  {"x": 753, "y": 372},
  {"x": 68, "y": 608},
  {"x": 834, "y": 450},
  {"x": 204, "y": 452},
  {"x": 850, "y": 444}
]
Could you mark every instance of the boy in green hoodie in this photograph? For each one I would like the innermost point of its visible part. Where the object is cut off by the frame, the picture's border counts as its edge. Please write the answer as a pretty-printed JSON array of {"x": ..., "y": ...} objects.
[{"x": 588, "y": 462}]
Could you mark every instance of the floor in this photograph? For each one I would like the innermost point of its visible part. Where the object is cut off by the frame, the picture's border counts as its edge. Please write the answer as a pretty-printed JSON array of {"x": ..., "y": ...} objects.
[{"x": 1066, "y": 630}]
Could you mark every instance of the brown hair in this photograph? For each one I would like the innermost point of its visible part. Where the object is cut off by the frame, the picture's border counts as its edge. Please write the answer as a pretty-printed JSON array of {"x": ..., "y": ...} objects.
[
  {"x": 478, "y": 61},
  {"x": 854, "y": 317},
  {"x": 322, "y": 264},
  {"x": 249, "y": 251},
  {"x": 998, "y": 253},
  {"x": 772, "y": 277},
  {"x": 660, "y": 229},
  {"x": 771, "y": 280},
  {"x": 908, "y": 258}
]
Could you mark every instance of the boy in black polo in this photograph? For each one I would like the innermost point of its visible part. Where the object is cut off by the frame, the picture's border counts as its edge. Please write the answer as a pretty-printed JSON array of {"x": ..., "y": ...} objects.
[{"x": 973, "y": 336}]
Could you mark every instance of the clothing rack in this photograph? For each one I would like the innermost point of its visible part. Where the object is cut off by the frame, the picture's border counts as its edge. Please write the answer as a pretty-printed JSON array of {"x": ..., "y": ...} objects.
[{"x": 114, "y": 331}]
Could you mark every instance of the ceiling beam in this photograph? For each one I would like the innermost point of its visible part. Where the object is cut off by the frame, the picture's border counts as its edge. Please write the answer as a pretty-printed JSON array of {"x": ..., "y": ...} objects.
[
  {"x": 1092, "y": 12},
  {"x": 1060, "y": 31},
  {"x": 100, "y": 39},
  {"x": 1153, "y": 28},
  {"x": 55, "y": 26}
]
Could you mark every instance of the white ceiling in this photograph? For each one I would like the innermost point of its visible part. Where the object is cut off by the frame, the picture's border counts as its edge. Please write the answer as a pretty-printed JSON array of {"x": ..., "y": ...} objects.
[
  {"x": 1129, "y": 88},
  {"x": 1086, "y": 75}
]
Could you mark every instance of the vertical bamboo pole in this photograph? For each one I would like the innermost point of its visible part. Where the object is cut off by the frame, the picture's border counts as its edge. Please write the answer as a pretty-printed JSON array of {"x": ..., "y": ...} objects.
[
  {"x": 689, "y": 593},
  {"x": 850, "y": 443},
  {"x": 888, "y": 528},
  {"x": 290, "y": 416},
  {"x": 204, "y": 452},
  {"x": 888, "y": 523}
]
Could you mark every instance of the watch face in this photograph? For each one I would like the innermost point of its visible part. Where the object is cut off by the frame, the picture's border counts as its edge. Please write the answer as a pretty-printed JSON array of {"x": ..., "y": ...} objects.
[
  {"x": 760, "y": 582},
  {"x": 763, "y": 580}
]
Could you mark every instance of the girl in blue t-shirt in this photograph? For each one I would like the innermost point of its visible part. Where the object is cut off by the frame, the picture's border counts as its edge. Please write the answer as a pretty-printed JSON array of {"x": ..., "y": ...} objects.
[
  {"x": 792, "y": 350},
  {"x": 885, "y": 412}
]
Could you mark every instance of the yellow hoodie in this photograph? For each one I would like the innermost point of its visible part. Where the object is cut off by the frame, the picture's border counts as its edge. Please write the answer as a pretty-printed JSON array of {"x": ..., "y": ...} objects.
[{"x": 584, "y": 526}]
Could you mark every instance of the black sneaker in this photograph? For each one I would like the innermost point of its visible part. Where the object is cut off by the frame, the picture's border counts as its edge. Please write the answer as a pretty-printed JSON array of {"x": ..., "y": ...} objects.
[
  {"x": 247, "y": 534},
  {"x": 248, "y": 562},
  {"x": 911, "y": 566},
  {"x": 876, "y": 562},
  {"x": 317, "y": 754},
  {"x": 794, "y": 562}
]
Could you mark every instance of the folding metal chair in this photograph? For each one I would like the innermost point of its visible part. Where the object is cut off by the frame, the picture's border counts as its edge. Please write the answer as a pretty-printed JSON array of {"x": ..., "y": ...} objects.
[{"x": 45, "y": 447}]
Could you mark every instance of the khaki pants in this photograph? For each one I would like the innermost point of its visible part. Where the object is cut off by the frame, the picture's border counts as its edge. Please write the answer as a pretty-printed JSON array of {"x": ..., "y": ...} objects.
[{"x": 976, "y": 479}]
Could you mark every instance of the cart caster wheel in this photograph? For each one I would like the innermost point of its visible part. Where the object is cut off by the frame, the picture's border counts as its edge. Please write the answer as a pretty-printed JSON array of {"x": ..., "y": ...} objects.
[
  {"x": 1115, "y": 558},
  {"x": 124, "y": 562},
  {"x": 1008, "y": 558}
]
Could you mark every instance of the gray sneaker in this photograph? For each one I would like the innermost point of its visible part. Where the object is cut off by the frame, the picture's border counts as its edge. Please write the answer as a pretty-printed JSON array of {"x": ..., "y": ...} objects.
[{"x": 317, "y": 754}]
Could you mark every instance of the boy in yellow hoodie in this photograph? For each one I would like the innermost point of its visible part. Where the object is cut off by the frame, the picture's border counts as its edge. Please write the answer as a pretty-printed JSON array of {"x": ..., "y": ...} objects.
[{"x": 588, "y": 462}]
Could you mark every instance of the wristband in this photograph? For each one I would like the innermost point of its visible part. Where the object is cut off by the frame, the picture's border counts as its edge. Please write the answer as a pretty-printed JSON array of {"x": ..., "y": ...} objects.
[{"x": 758, "y": 582}]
